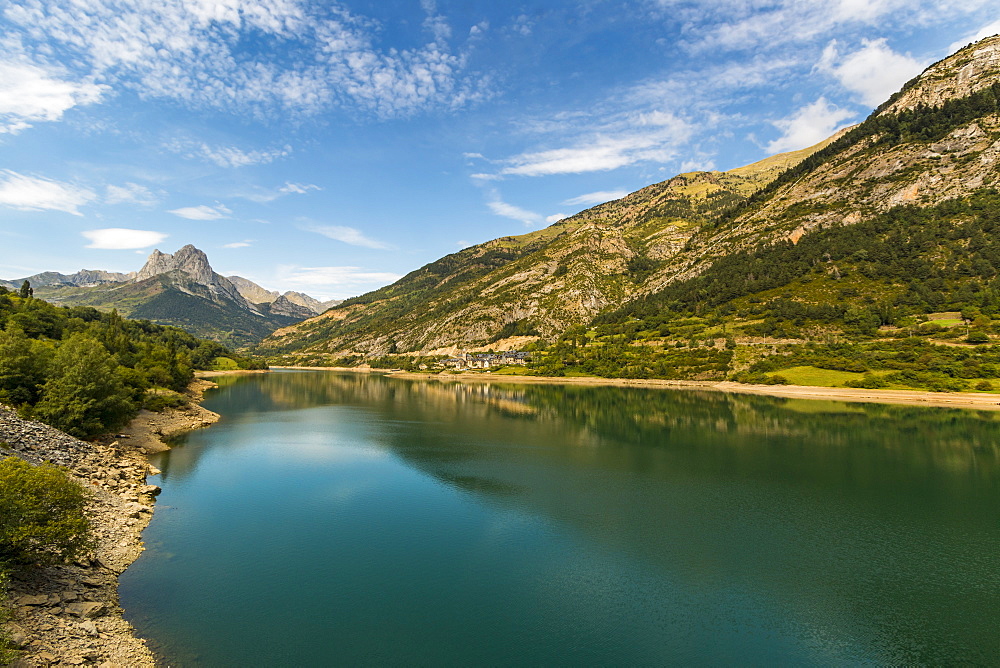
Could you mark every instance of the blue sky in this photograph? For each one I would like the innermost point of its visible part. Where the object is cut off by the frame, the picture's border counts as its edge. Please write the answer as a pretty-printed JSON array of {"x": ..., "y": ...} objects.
[{"x": 331, "y": 147}]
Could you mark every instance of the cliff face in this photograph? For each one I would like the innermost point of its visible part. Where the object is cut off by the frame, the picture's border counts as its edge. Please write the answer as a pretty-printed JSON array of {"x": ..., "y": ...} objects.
[{"x": 931, "y": 142}]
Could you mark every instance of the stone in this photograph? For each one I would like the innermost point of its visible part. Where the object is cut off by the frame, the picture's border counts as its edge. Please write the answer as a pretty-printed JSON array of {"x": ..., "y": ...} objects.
[
  {"x": 87, "y": 609},
  {"x": 152, "y": 490},
  {"x": 40, "y": 599},
  {"x": 89, "y": 627}
]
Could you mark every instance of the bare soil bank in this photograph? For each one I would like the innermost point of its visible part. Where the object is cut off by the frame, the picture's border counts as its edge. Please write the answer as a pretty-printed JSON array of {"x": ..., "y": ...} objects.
[{"x": 70, "y": 614}]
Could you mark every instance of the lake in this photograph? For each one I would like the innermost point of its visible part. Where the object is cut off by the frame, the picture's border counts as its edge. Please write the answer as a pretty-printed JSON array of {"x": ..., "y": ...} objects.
[{"x": 352, "y": 519}]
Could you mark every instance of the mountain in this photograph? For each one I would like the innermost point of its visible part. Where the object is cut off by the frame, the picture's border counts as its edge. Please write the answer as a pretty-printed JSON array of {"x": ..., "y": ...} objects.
[
  {"x": 667, "y": 253},
  {"x": 84, "y": 278},
  {"x": 289, "y": 303},
  {"x": 179, "y": 289}
]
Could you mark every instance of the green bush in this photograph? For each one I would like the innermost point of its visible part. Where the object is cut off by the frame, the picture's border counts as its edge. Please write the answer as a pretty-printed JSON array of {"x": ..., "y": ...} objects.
[
  {"x": 8, "y": 651},
  {"x": 977, "y": 338},
  {"x": 41, "y": 514},
  {"x": 160, "y": 400},
  {"x": 984, "y": 386}
]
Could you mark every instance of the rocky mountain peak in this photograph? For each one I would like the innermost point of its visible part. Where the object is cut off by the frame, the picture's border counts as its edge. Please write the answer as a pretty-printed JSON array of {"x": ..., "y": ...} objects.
[
  {"x": 188, "y": 259},
  {"x": 959, "y": 75}
]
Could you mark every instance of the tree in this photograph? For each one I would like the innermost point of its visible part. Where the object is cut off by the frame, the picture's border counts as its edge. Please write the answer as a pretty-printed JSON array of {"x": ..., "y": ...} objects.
[
  {"x": 25, "y": 291},
  {"x": 23, "y": 365},
  {"x": 41, "y": 514},
  {"x": 85, "y": 394}
]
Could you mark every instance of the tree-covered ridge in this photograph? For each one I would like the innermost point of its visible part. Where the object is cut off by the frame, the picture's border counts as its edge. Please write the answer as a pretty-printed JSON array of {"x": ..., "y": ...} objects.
[
  {"x": 88, "y": 372},
  {"x": 906, "y": 261}
]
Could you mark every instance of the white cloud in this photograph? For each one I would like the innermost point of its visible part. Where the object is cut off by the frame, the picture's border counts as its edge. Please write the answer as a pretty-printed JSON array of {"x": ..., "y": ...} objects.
[
  {"x": 264, "y": 195},
  {"x": 116, "y": 238},
  {"x": 349, "y": 235},
  {"x": 332, "y": 282},
  {"x": 29, "y": 94},
  {"x": 202, "y": 212},
  {"x": 987, "y": 30},
  {"x": 227, "y": 156},
  {"x": 768, "y": 24},
  {"x": 239, "y": 244},
  {"x": 31, "y": 193},
  {"x": 297, "y": 188},
  {"x": 874, "y": 71},
  {"x": 640, "y": 134},
  {"x": 704, "y": 165},
  {"x": 809, "y": 125},
  {"x": 599, "y": 197},
  {"x": 555, "y": 218},
  {"x": 130, "y": 193},
  {"x": 501, "y": 208},
  {"x": 195, "y": 52}
]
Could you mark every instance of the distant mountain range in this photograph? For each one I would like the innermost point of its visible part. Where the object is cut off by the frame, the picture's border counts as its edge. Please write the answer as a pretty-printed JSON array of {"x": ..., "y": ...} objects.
[
  {"x": 183, "y": 290},
  {"x": 695, "y": 255}
]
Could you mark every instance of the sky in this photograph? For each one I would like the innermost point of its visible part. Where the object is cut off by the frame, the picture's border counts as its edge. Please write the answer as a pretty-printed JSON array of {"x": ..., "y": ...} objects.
[{"x": 332, "y": 147}]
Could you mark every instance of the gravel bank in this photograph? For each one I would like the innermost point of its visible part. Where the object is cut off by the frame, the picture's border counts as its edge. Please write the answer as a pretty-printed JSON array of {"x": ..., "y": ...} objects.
[{"x": 69, "y": 615}]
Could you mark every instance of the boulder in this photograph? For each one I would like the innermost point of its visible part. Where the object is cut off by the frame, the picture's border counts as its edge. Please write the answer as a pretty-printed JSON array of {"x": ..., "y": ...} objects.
[{"x": 86, "y": 609}]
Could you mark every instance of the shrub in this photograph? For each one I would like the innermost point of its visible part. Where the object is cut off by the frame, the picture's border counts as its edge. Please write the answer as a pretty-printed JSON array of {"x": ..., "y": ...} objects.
[
  {"x": 869, "y": 382},
  {"x": 160, "y": 400},
  {"x": 8, "y": 651},
  {"x": 984, "y": 386},
  {"x": 41, "y": 514},
  {"x": 977, "y": 338}
]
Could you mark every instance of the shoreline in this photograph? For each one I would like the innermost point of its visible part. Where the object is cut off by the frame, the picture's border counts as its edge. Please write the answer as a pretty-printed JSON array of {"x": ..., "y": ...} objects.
[
  {"x": 70, "y": 614},
  {"x": 965, "y": 400}
]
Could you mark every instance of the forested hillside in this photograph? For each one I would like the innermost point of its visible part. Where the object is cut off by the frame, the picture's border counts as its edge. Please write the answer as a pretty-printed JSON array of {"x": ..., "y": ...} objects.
[{"x": 87, "y": 372}]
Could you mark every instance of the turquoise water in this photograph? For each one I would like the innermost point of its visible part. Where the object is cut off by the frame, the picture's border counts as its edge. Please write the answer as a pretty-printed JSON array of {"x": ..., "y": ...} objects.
[{"x": 344, "y": 519}]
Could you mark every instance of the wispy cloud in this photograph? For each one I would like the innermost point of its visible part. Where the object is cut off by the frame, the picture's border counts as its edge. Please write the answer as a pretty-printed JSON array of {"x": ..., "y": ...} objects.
[
  {"x": 741, "y": 25},
  {"x": 31, "y": 94},
  {"x": 555, "y": 218},
  {"x": 239, "y": 244},
  {"x": 809, "y": 125},
  {"x": 648, "y": 137},
  {"x": 263, "y": 195},
  {"x": 596, "y": 197},
  {"x": 130, "y": 193},
  {"x": 117, "y": 238},
  {"x": 297, "y": 188},
  {"x": 873, "y": 72},
  {"x": 202, "y": 212},
  {"x": 226, "y": 156},
  {"x": 501, "y": 208},
  {"x": 349, "y": 235},
  {"x": 33, "y": 193},
  {"x": 195, "y": 53},
  {"x": 987, "y": 30}
]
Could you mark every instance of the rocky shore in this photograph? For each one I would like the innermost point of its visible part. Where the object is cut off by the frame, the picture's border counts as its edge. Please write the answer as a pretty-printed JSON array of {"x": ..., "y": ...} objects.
[{"x": 69, "y": 614}]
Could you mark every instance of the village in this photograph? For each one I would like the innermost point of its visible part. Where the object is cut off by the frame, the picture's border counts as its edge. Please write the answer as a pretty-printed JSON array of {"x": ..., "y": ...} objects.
[{"x": 484, "y": 360}]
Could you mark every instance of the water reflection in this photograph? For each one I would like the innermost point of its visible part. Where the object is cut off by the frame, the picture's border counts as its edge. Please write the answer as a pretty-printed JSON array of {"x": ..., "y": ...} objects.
[{"x": 870, "y": 531}]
